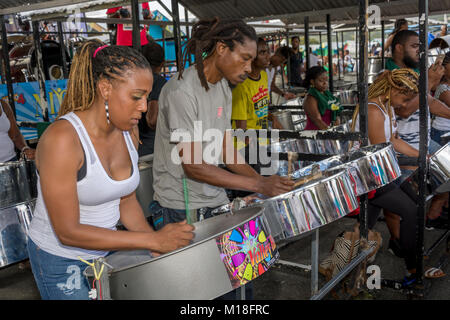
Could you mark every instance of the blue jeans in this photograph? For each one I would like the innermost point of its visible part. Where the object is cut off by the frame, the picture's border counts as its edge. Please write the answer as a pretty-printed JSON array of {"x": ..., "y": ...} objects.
[
  {"x": 436, "y": 134},
  {"x": 160, "y": 216},
  {"x": 58, "y": 278}
]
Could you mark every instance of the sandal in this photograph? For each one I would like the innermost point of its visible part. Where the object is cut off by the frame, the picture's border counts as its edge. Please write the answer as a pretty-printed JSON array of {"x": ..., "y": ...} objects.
[{"x": 434, "y": 273}]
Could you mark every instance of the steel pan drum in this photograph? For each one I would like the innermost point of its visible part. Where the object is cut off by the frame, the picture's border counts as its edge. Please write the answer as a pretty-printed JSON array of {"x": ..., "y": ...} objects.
[
  {"x": 348, "y": 97},
  {"x": 14, "y": 183},
  {"x": 285, "y": 119},
  {"x": 371, "y": 167},
  {"x": 144, "y": 192},
  {"x": 440, "y": 170},
  {"x": 293, "y": 102},
  {"x": 228, "y": 251},
  {"x": 316, "y": 203},
  {"x": 14, "y": 223}
]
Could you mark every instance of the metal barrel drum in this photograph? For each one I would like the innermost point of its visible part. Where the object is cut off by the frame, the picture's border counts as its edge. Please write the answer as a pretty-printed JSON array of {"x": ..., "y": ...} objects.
[
  {"x": 227, "y": 252},
  {"x": 14, "y": 222},
  {"x": 281, "y": 167},
  {"x": 285, "y": 119},
  {"x": 144, "y": 191},
  {"x": 347, "y": 97},
  {"x": 293, "y": 102},
  {"x": 439, "y": 170},
  {"x": 316, "y": 203},
  {"x": 14, "y": 183},
  {"x": 18, "y": 191},
  {"x": 371, "y": 167},
  {"x": 375, "y": 66}
]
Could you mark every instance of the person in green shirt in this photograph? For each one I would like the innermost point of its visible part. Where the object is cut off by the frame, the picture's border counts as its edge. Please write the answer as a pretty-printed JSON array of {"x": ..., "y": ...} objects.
[
  {"x": 321, "y": 107},
  {"x": 405, "y": 54}
]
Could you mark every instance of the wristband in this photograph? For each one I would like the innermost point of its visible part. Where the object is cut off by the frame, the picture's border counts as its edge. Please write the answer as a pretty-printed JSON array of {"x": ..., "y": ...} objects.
[{"x": 24, "y": 148}]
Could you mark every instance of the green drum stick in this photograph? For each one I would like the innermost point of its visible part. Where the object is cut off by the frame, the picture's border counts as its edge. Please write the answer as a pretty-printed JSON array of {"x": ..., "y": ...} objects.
[{"x": 186, "y": 200}]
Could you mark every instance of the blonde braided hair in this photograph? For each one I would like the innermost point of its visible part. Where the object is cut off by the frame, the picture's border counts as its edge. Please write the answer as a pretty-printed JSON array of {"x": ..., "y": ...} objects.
[{"x": 404, "y": 80}]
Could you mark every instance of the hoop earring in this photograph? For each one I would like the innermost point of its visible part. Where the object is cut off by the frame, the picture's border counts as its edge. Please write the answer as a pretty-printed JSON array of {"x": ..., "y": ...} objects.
[{"x": 107, "y": 111}]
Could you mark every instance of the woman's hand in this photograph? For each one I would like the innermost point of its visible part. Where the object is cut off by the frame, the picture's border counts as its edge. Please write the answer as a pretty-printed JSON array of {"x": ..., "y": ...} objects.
[{"x": 173, "y": 236}]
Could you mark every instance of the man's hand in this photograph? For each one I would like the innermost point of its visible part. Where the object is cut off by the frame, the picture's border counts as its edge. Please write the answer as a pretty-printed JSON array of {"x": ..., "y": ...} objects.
[
  {"x": 289, "y": 95},
  {"x": 275, "y": 185},
  {"x": 435, "y": 74}
]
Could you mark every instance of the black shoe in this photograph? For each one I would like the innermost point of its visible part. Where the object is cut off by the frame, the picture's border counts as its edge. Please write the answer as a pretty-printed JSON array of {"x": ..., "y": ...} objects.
[
  {"x": 395, "y": 248},
  {"x": 438, "y": 223}
]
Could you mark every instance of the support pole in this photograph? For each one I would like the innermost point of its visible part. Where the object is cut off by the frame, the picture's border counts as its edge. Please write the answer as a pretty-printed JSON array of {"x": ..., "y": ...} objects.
[
  {"x": 330, "y": 54},
  {"x": 315, "y": 262},
  {"x": 308, "y": 62},
  {"x": 40, "y": 71},
  {"x": 63, "y": 50},
  {"x": 164, "y": 47},
  {"x": 6, "y": 65},
  {"x": 177, "y": 33},
  {"x": 338, "y": 56},
  {"x": 363, "y": 99},
  {"x": 343, "y": 53},
  {"x": 382, "y": 44},
  {"x": 186, "y": 18},
  {"x": 423, "y": 132},
  {"x": 136, "y": 25},
  {"x": 357, "y": 52},
  {"x": 288, "y": 62},
  {"x": 321, "y": 49}
]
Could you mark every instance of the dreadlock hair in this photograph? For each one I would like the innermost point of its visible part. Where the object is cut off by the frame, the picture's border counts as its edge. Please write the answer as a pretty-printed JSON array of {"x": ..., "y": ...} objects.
[
  {"x": 110, "y": 62},
  {"x": 404, "y": 80},
  {"x": 206, "y": 34}
]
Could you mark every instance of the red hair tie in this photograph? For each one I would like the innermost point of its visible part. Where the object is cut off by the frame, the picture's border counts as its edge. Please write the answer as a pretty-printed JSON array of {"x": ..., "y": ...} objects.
[{"x": 98, "y": 49}]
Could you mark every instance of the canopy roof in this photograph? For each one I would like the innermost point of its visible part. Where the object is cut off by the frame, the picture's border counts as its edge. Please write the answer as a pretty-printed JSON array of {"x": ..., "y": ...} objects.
[{"x": 288, "y": 11}]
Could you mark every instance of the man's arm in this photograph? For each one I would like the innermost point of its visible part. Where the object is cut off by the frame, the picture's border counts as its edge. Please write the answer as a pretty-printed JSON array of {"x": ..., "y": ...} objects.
[
  {"x": 439, "y": 108},
  {"x": 247, "y": 179}
]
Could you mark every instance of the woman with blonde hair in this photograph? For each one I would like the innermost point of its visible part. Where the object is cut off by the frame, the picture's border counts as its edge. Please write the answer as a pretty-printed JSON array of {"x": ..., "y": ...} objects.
[
  {"x": 88, "y": 173},
  {"x": 391, "y": 90}
]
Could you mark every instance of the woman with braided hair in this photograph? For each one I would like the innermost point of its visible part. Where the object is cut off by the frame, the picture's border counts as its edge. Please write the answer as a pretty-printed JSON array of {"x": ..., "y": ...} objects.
[
  {"x": 87, "y": 173},
  {"x": 392, "y": 90}
]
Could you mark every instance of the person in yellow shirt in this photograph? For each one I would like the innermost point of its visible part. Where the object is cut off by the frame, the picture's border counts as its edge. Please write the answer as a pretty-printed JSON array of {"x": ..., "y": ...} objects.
[
  {"x": 251, "y": 98},
  {"x": 250, "y": 106}
]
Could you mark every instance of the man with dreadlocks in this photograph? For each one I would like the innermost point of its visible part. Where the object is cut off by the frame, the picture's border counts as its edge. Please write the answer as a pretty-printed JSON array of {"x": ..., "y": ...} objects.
[
  {"x": 87, "y": 173},
  {"x": 201, "y": 96}
]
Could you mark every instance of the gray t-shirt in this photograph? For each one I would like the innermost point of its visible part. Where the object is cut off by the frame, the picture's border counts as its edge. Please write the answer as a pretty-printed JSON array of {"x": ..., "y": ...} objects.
[{"x": 184, "y": 105}]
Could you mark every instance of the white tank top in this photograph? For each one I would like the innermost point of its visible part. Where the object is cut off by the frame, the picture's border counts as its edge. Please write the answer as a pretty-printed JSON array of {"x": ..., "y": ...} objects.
[
  {"x": 98, "y": 195},
  {"x": 6, "y": 144},
  {"x": 387, "y": 125}
]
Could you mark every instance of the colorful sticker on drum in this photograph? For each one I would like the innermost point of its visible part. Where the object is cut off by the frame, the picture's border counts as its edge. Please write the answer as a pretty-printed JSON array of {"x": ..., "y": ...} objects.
[{"x": 247, "y": 251}]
